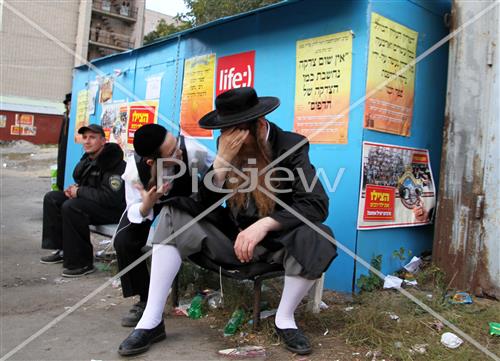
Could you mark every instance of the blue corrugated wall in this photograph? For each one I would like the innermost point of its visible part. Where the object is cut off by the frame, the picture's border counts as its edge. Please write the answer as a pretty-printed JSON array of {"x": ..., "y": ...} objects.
[{"x": 273, "y": 34}]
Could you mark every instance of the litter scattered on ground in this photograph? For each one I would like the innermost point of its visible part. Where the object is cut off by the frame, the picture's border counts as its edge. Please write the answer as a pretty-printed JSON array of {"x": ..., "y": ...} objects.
[
  {"x": 420, "y": 348},
  {"x": 105, "y": 242},
  {"x": 437, "y": 325},
  {"x": 116, "y": 283},
  {"x": 461, "y": 298},
  {"x": 494, "y": 329},
  {"x": 451, "y": 340},
  {"x": 414, "y": 265},
  {"x": 398, "y": 344},
  {"x": 392, "y": 282},
  {"x": 243, "y": 352},
  {"x": 103, "y": 267},
  {"x": 181, "y": 310},
  {"x": 393, "y": 316},
  {"x": 267, "y": 313},
  {"x": 323, "y": 306},
  {"x": 234, "y": 322},
  {"x": 326, "y": 332},
  {"x": 349, "y": 309},
  {"x": 373, "y": 355},
  {"x": 396, "y": 282},
  {"x": 214, "y": 299},
  {"x": 60, "y": 280}
]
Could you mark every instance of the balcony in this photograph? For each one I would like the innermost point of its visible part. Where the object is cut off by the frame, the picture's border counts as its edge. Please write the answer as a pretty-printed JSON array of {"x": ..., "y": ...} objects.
[
  {"x": 115, "y": 10},
  {"x": 109, "y": 40}
]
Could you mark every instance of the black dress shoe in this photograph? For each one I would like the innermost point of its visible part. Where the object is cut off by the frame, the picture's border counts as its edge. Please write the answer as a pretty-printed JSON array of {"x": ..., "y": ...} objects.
[
  {"x": 53, "y": 258},
  {"x": 294, "y": 340},
  {"x": 78, "y": 272},
  {"x": 141, "y": 339},
  {"x": 134, "y": 315}
]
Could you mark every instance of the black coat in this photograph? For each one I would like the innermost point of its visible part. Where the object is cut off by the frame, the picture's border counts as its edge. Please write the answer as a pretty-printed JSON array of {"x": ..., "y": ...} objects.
[
  {"x": 61, "y": 152},
  {"x": 99, "y": 180},
  {"x": 312, "y": 251}
]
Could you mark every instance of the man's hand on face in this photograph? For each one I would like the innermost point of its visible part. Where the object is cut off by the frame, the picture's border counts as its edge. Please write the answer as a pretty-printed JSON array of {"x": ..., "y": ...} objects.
[
  {"x": 252, "y": 236},
  {"x": 150, "y": 197},
  {"x": 230, "y": 143}
]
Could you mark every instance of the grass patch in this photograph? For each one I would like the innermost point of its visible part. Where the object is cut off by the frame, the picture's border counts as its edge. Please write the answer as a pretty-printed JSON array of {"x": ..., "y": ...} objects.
[{"x": 367, "y": 326}]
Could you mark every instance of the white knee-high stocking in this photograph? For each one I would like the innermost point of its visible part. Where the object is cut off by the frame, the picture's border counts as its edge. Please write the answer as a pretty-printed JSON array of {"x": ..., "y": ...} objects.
[
  {"x": 165, "y": 264},
  {"x": 294, "y": 290}
]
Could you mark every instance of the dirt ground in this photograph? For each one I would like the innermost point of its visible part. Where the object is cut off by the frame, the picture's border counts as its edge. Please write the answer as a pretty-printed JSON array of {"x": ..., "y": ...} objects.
[{"x": 33, "y": 295}]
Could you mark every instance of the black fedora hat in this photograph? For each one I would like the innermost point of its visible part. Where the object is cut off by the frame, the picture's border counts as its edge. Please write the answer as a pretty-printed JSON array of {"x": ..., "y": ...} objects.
[
  {"x": 67, "y": 98},
  {"x": 237, "y": 106}
]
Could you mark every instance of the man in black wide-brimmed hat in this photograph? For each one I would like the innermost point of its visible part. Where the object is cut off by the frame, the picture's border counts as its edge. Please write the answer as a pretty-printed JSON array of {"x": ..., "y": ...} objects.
[{"x": 253, "y": 226}]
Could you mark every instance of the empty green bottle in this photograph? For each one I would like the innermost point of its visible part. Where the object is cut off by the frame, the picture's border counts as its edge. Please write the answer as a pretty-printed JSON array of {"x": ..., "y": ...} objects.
[
  {"x": 234, "y": 322},
  {"x": 194, "y": 310}
]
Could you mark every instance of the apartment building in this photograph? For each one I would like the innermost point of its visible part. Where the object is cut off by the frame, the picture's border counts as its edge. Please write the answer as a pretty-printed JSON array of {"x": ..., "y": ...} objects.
[{"x": 42, "y": 41}]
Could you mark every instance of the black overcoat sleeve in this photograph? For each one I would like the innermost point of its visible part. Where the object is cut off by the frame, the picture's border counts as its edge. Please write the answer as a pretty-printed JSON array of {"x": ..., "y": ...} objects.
[{"x": 308, "y": 196}]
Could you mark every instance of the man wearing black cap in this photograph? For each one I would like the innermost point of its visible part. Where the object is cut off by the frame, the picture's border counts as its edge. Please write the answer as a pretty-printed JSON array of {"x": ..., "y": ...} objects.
[
  {"x": 253, "y": 226},
  {"x": 145, "y": 200},
  {"x": 97, "y": 197}
]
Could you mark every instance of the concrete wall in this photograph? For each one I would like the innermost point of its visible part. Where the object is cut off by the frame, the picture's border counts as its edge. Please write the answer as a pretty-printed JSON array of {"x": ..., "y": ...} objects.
[{"x": 31, "y": 65}]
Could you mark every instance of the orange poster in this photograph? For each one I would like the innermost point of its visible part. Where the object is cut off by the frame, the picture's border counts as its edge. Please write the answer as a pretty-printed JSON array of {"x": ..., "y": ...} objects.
[
  {"x": 392, "y": 47},
  {"x": 197, "y": 94},
  {"x": 25, "y": 119},
  {"x": 323, "y": 88}
]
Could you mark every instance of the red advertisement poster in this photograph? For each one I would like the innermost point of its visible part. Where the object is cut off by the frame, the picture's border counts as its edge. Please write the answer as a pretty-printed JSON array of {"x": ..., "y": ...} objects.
[
  {"x": 140, "y": 113},
  {"x": 235, "y": 71},
  {"x": 379, "y": 204}
]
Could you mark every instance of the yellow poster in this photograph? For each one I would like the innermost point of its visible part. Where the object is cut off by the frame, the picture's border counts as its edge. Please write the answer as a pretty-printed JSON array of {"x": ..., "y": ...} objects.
[
  {"x": 323, "y": 88},
  {"x": 82, "y": 117},
  {"x": 197, "y": 94},
  {"x": 392, "y": 47}
]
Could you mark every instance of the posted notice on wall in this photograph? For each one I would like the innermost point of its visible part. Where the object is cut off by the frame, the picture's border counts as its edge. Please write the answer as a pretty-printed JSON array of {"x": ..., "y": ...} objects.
[
  {"x": 197, "y": 94},
  {"x": 323, "y": 88},
  {"x": 82, "y": 117},
  {"x": 114, "y": 121},
  {"x": 153, "y": 86},
  {"x": 140, "y": 113},
  {"x": 389, "y": 104},
  {"x": 397, "y": 187}
]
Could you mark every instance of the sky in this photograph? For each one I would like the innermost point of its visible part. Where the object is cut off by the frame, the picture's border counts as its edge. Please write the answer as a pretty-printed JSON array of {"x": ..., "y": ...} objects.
[{"x": 169, "y": 7}]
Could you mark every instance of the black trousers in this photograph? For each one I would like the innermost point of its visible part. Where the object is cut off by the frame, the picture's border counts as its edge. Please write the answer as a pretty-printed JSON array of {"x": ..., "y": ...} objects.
[
  {"x": 66, "y": 226},
  {"x": 128, "y": 242}
]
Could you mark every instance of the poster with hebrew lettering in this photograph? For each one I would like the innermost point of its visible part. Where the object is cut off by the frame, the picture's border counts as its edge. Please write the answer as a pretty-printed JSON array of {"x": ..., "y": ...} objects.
[
  {"x": 323, "y": 88},
  {"x": 397, "y": 187},
  {"x": 390, "y": 83},
  {"x": 197, "y": 94},
  {"x": 82, "y": 116},
  {"x": 139, "y": 114}
]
